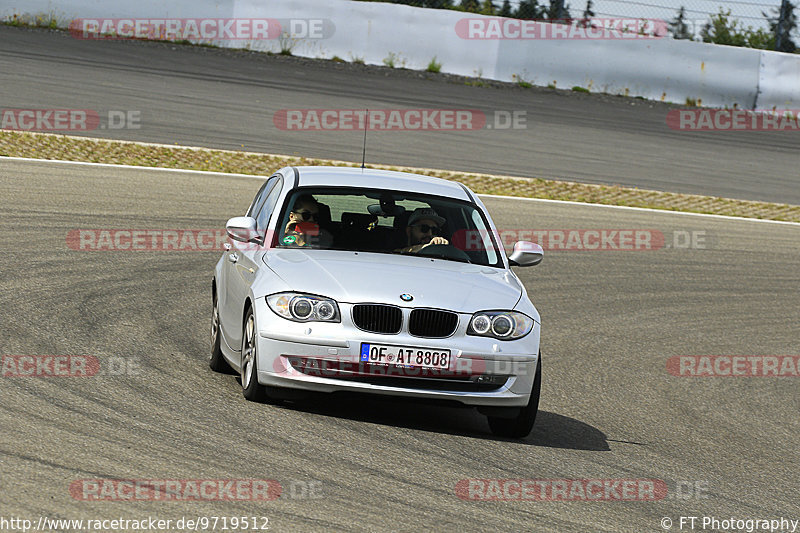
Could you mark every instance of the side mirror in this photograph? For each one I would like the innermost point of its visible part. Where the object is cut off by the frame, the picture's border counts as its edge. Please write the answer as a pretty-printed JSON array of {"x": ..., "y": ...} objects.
[
  {"x": 242, "y": 229},
  {"x": 526, "y": 254}
]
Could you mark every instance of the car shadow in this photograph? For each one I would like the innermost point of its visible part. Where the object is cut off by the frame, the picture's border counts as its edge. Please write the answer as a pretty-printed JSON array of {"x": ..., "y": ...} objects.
[{"x": 551, "y": 429}]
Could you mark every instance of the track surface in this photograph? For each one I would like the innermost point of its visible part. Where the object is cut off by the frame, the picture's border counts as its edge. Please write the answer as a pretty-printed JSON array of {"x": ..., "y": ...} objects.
[
  {"x": 226, "y": 99},
  {"x": 609, "y": 408}
]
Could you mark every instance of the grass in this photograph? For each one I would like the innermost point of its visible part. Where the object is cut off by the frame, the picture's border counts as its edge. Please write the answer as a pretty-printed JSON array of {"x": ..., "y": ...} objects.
[
  {"x": 520, "y": 81},
  {"x": 50, "y": 146},
  {"x": 579, "y": 89},
  {"x": 187, "y": 42},
  {"x": 286, "y": 43},
  {"x": 434, "y": 66},
  {"x": 477, "y": 80},
  {"x": 390, "y": 60},
  {"x": 45, "y": 20}
]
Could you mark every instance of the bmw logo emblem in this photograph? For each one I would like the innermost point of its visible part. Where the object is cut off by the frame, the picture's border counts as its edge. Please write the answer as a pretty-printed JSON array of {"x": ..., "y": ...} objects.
[{"x": 406, "y": 297}]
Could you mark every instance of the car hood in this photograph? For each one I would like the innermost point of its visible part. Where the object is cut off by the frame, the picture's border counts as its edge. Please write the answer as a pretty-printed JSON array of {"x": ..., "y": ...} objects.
[{"x": 353, "y": 277}]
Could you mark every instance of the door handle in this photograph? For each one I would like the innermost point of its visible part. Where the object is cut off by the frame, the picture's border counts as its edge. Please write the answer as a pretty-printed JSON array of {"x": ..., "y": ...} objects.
[{"x": 233, "y": 257}]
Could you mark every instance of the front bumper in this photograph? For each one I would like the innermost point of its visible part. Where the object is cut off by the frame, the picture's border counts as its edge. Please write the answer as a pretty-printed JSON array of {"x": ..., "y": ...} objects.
[{"x": 324, "y": 357}]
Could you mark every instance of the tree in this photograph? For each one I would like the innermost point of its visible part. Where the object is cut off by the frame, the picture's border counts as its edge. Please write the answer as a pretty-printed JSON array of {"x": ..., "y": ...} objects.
[
  {"x": 505, "y": 10},
  {"x": 724, "y": 30},
  {"x": 782, "y": 27},
  {"x": 557, "y": 10},
  {"x": 529, "y": 9},
  {"x": 588, "y": 14},
  {"x": 679, "y": 28},
  {"x": 488, "y": 8},
  {"x": 470, "y": 5}
]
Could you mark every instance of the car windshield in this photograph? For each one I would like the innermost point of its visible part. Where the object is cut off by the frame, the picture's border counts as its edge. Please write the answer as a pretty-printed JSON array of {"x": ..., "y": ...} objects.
[{"x": 391, "y": 222}]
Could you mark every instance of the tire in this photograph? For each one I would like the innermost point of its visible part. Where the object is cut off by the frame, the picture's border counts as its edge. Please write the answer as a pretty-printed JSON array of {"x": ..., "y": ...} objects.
[
  {"x": 521, "y": 425},
  {"x": 216, "y": 360},
  {"x": 251, "y": 388}
]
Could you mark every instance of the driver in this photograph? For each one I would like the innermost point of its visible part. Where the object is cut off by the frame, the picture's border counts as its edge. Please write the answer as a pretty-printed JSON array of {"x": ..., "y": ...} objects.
[{"x": 424, "y": 227}]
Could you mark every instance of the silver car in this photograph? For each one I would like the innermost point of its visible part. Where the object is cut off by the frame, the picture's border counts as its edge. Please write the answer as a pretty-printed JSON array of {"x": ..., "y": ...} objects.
[{"x": 370, "y": 281}]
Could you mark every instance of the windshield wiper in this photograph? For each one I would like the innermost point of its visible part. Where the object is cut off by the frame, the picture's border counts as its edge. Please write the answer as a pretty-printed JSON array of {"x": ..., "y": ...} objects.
[{"x": 433, "y": 256}]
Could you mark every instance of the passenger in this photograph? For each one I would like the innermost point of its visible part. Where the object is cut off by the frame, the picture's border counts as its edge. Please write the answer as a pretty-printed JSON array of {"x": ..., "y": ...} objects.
[{"x": 303, "y": 226}]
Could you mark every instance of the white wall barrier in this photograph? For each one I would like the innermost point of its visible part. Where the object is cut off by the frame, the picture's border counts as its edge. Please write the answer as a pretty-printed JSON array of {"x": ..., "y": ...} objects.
[
  {"x": 660, "y": 69},
  {"x": 779, "y": 81}
]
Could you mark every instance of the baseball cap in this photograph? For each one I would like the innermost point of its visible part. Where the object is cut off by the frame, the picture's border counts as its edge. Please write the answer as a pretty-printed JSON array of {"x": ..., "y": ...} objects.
[{"x": 423, "y": 213}]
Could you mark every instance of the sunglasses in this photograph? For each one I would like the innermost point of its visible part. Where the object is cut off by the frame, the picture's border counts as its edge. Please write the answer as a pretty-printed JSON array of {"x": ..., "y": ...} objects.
[
  {"x": 307, "y": 215},
  {"x": 424, "y": 228}
]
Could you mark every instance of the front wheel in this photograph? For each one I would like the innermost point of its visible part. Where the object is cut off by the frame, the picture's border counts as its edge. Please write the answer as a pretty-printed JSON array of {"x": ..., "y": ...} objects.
[
  {"x": 251, "y": 388},
  {"x": 216, "y": 361},
  {"x": 519, "y": 426}
]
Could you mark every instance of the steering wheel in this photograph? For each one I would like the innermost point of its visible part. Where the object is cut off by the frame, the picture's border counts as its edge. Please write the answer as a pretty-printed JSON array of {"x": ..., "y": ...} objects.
[{"x": 447, "y": 251}]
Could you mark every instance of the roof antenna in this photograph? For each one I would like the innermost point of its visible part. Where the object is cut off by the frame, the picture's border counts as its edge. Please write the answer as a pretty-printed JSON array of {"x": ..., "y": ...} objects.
[{"x": 364, "y": 153}]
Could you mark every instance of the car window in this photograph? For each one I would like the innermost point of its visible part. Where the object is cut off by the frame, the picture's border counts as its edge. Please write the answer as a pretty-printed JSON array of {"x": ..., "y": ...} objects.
[
  {"x": 358, "y": 203},
  {"x": 484, "y": 234},
  {"x": 261, "y": 196},
  {"x": 271, "y": 198},
  {"x": 377, "y": 221}
]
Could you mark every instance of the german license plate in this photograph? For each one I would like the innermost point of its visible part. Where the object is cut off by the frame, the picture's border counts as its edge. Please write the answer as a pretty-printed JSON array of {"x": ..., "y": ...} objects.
[{"x": 404, "y": 355}]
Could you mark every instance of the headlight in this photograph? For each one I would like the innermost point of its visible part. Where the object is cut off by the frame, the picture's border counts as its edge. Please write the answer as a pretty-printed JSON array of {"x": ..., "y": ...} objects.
[
  {"x": 304, "y": 307},
  {"x": 503, "y": 325}
]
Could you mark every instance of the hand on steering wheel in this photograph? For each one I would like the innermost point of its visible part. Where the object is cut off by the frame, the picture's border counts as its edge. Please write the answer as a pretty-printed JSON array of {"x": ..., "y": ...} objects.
[
  {"x": 447, "y": 251},
  {"x": 436, "y": 240}
]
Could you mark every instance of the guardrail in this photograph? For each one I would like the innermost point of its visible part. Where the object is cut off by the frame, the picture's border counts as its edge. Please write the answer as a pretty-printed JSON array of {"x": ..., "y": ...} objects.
[{"x": 403, "y": 36}]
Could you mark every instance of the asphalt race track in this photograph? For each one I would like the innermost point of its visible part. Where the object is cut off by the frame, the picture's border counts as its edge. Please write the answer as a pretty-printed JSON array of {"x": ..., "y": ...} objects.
[
  {"x": 227, "y": 99},
  {"x": 725, "y": 447}
]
